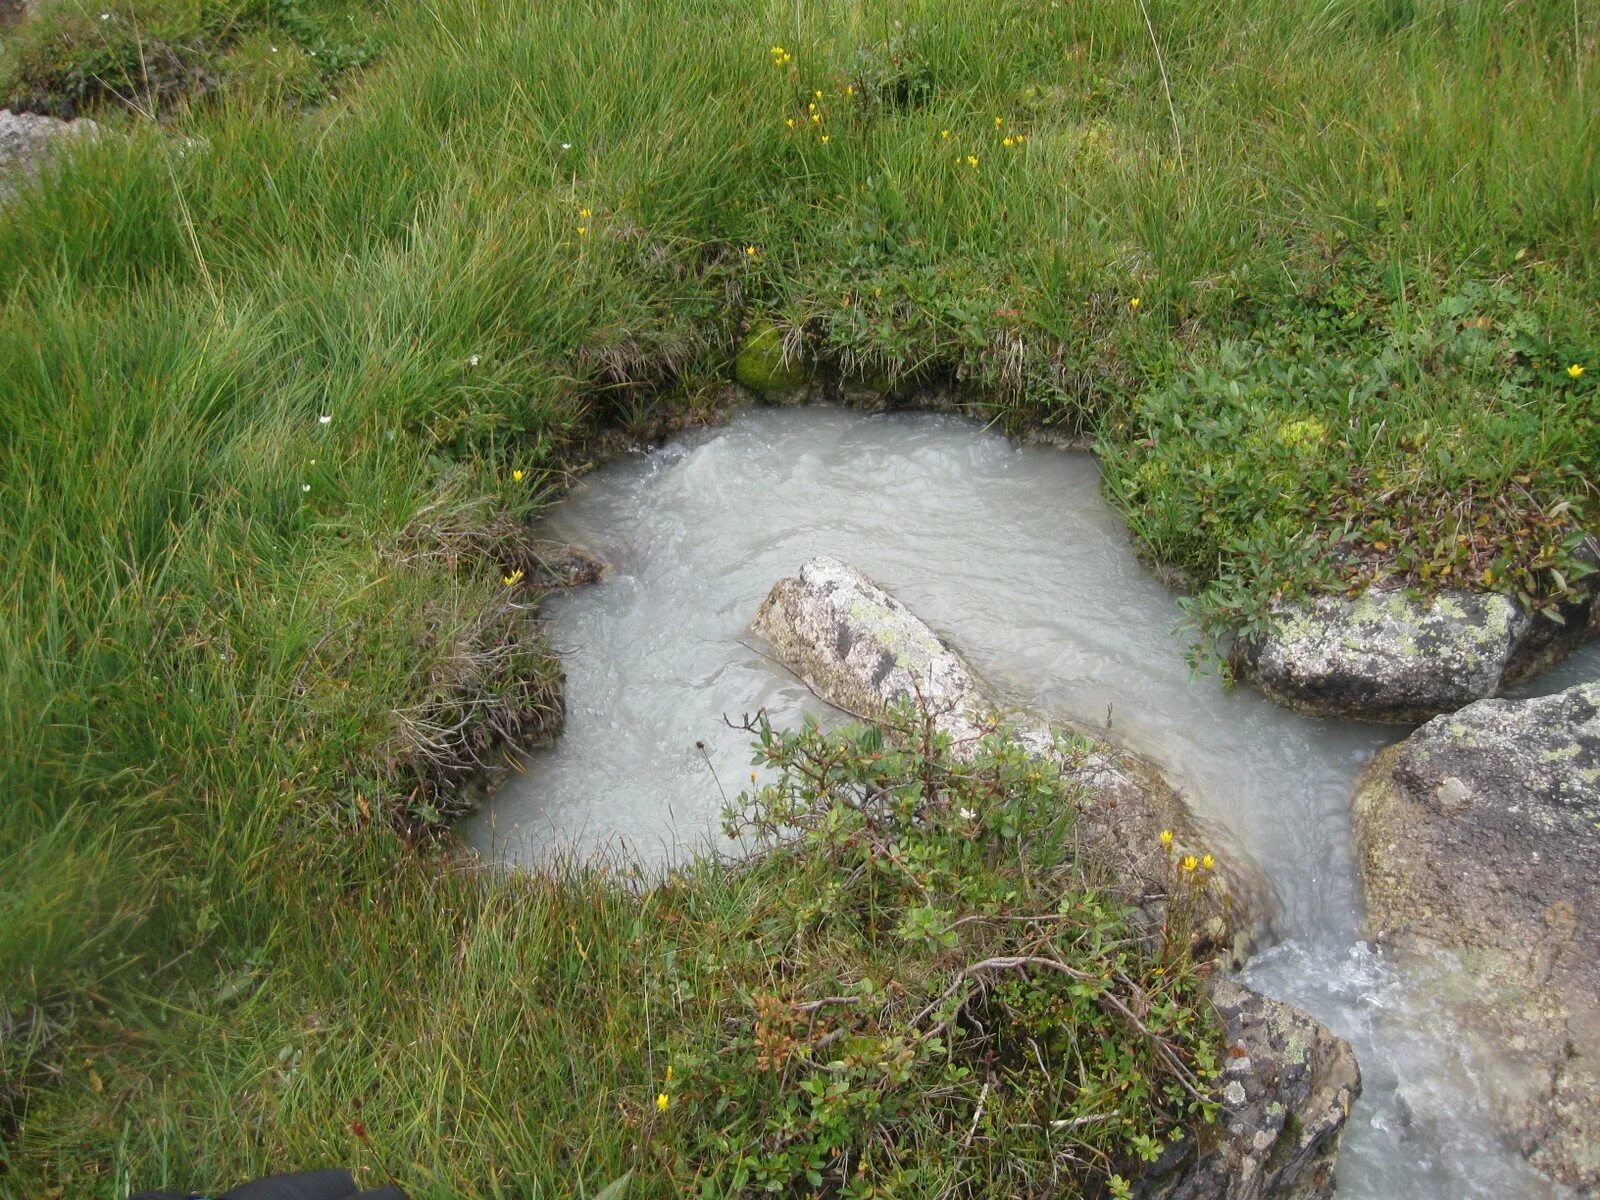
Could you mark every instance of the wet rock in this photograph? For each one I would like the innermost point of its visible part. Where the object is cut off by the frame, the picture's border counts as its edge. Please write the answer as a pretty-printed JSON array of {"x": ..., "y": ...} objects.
[
  {"x": 26, "y": 137},
  {"x": 1385, "y": 656},
  {"x": 1480, "y": 835},
  {"x": 558, "y": 565},
  {"x": 861, "y": 649},
  {"x": 1288, "y": 1084}
]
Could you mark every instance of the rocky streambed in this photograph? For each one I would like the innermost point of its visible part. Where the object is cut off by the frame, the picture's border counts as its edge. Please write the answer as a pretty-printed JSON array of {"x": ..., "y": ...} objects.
[{"x": 1026, "y": 583}]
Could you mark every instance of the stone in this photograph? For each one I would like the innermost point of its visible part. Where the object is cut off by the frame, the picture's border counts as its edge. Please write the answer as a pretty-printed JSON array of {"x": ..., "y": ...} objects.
[
  {"x": 1387, "y": 656},
  {"x": 861, "y": 650},
  {"x": 1290, "y": 1085},
  {"x": 1479, "y": 835},
  {"x": 763, "y": 366},
  {"x": 557, "y": 565},
  {"x": 26, "y": 137}
]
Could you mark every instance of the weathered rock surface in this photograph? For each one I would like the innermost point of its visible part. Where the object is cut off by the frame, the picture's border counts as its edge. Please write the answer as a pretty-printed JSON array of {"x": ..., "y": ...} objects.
[
  {"x": 560, "y": 565},
  {"x": 1384, "y": 656},
  {"x": 1480, "y": 834},
  {"x": 862, "y": 650},
  {"x": 1288, "y": 1084},
  {"x": 26, "y": 137}
]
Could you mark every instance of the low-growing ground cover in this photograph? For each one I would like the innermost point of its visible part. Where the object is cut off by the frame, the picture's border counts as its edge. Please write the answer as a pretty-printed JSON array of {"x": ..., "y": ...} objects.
[{"x": 281, "y": 384}]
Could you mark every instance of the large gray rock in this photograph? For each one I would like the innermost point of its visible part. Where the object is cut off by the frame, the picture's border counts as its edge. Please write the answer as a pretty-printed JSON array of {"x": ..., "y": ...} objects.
[
  {"x": 861, "y": 649},
  {"x": 1386, "y": 656},
  {"x": 1288, "y": 1084},
  {"x": 26, "y": 137},
  {"x": 1480, "y": 834}
]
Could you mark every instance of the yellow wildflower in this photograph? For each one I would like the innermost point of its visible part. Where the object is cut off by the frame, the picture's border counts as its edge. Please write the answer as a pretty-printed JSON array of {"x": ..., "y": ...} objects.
[
  {"x": 1166, "y": 837},
  {"x": 585, "y": 213},
  {"x": 944, "y": 133},
  {"x": 516, "y": 476},
  {"x": 1190, "y": 862},
  {"x": 999, "y": 121},
  {"x": 972, "y": 160},
  {"x": 1007, "y": 143},
  {"x": 752, "y": 252},
  {"x": 512, "y": 579},
  {"x": 582, "y": 230},
  {"x": 817, "y": 94},
  {"x": 824, "y": 139},
  {"x": 849, "y": 91},
  {"x": 669, "y": 1072},
  {"x": 1575, "y": 370},
  {"x": 790, "y": 122},
  {"x": 1133, "y": 305},
  {"x": 662, "y": 1100},
  {"x": 1208, "y": 862},
  {"x": 816, "y": 118}
]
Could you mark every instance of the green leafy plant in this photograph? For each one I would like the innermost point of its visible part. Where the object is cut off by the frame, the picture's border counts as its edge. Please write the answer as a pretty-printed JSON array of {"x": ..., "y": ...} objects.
[{"x": 940, "y": 993}]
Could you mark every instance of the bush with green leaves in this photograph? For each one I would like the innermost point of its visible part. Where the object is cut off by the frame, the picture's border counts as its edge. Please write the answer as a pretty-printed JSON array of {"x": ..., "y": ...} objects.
[
  {"x": 1353, "y": 436},
  {"x": 941, "y": 994}
]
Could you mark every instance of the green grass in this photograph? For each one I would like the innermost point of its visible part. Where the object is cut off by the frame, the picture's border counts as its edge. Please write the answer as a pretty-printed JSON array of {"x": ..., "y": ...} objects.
[{"x": 1363, "y": 244}]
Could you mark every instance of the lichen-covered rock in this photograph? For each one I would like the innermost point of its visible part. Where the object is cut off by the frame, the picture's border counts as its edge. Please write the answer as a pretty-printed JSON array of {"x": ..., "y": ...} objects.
[
  {"x": 861, "y": 649},
  {"x": 26, "y": 137},
  {"x": 1480, "y": 834},
  {"x": 1386, "y": 656},
  {"x": 1288, "y": 1084},
  {"x": 763, "y": 366}
]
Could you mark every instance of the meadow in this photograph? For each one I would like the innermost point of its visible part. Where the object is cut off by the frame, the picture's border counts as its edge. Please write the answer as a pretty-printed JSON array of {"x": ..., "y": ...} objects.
[{"x": 297, "y": 347}]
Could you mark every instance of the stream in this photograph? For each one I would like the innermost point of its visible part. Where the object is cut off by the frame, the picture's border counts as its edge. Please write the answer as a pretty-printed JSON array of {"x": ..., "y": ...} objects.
[{"x": 1012, "y": 556}]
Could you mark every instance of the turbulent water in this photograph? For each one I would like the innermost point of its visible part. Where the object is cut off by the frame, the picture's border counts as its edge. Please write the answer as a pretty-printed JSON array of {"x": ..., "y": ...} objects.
[{"x": 1011, "y": 555}]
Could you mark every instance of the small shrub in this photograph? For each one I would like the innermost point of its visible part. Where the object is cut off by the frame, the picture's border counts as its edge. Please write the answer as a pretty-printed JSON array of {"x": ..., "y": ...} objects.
[{"x": 939, "y": 997}]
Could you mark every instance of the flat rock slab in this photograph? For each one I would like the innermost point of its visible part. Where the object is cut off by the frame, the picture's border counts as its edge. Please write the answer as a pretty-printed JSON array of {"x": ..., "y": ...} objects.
[
  {"x": 1288, "y": 1085},
  {"x": 1480, "y": 834},
  {"x": 862, "y": 650},
  {"x": 1386, "y": 656}
]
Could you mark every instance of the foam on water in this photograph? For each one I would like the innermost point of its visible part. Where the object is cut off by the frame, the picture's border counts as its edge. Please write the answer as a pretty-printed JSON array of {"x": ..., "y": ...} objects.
[{"x": 1011, "y": 555}]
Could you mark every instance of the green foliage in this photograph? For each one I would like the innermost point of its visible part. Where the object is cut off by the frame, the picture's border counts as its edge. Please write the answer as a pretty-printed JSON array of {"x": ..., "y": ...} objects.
[
  {"x": 69, "y": 57},
  {"x": 1355, "y": 435},
  {"x": 937, "y": 993},
  {"x": 228, "y": 631}
]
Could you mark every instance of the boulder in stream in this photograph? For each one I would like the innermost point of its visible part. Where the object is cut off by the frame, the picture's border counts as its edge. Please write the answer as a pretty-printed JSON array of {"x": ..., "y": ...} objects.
[
  {"x": 1387, "y": 656},
  {"x": 860, "y": 649},
  {"x": 1289, "y": 1082},
  {"x": 1480, "y": 835}
]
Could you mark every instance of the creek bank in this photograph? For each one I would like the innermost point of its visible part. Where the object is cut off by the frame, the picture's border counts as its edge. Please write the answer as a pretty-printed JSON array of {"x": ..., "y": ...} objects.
[
  {"x": 1386, "y": 656},
  {"x": 1290, "y": 1081},
  {"x": 1480, "y": 835}
]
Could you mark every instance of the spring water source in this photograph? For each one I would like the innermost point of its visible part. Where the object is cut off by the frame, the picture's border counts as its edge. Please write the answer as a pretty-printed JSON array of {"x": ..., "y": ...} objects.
[{"x": 1011, "y": 555}]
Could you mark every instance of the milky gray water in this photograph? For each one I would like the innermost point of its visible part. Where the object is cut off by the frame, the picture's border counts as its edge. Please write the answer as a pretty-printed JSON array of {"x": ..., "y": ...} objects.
[{"x": 1011, "y": 555}]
